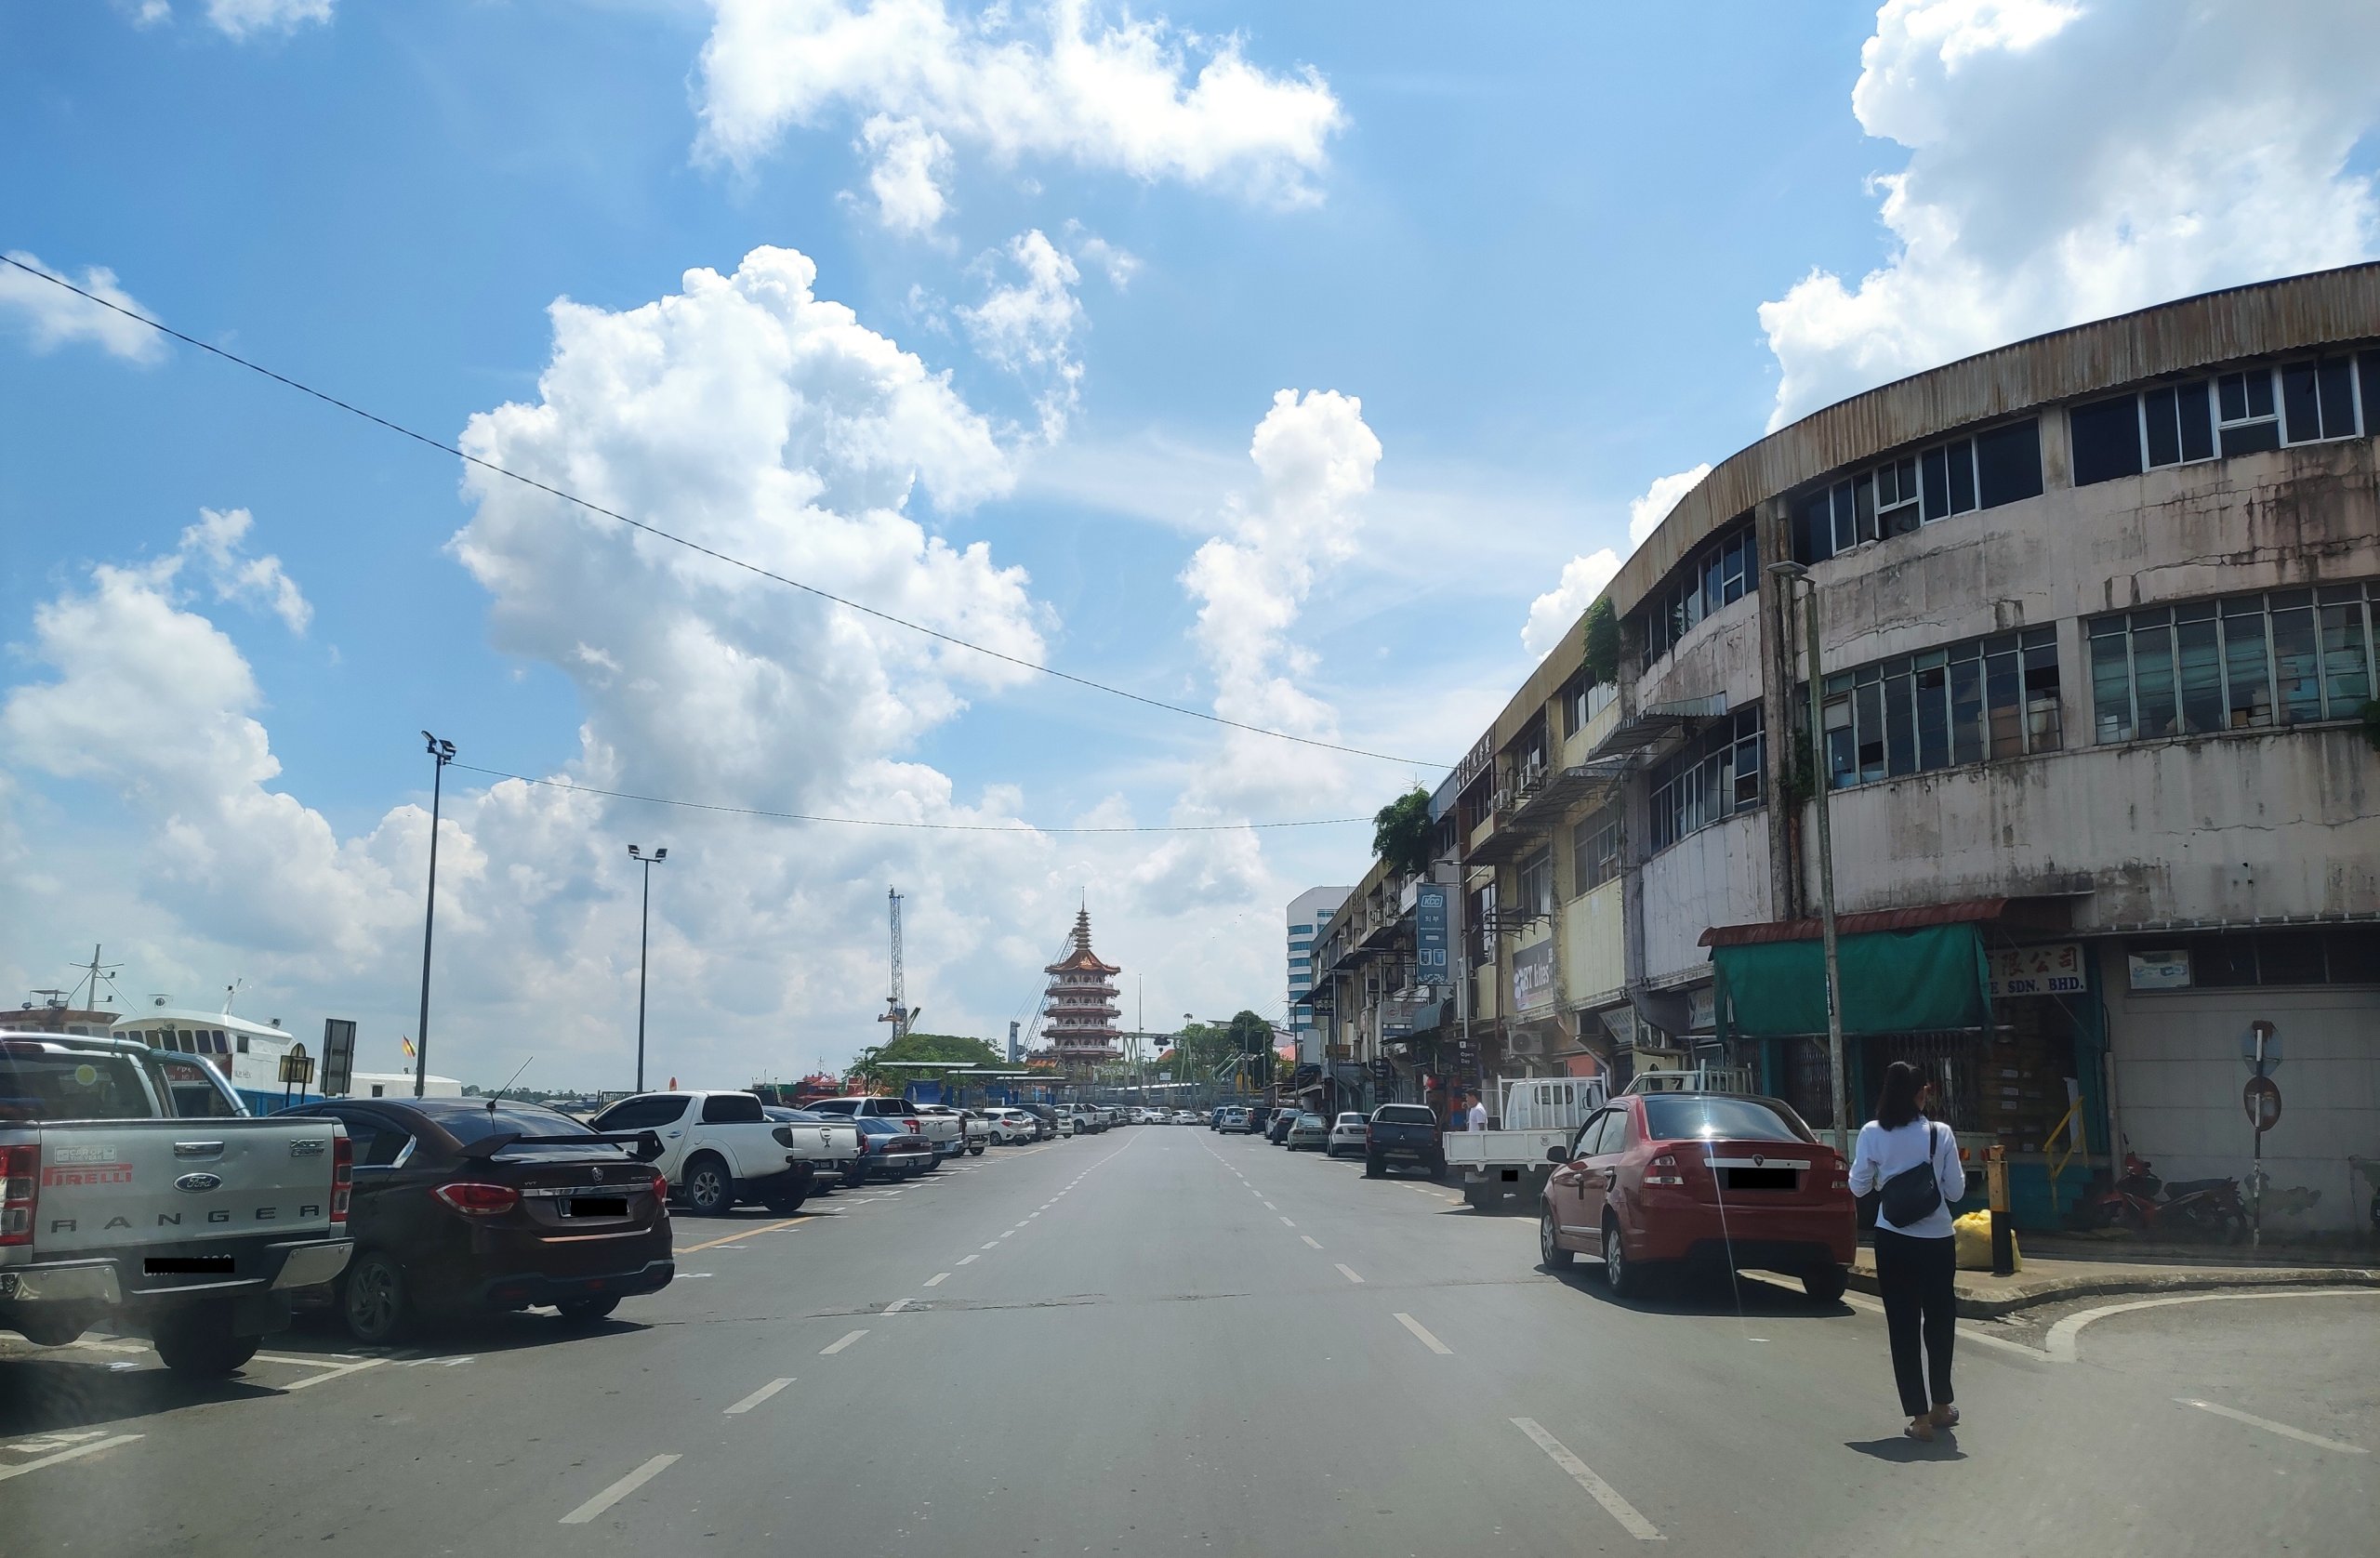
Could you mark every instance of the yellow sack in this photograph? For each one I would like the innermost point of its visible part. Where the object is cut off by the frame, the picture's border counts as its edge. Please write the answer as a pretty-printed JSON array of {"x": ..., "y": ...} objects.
[{"x": 1971, "y": 1236}]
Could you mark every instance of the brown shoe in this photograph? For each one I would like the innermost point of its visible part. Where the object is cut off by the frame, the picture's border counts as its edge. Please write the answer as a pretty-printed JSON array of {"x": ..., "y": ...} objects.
[
  {"x": 1921, "y": 1429},
  {"x": 1945, "y": 1416}
]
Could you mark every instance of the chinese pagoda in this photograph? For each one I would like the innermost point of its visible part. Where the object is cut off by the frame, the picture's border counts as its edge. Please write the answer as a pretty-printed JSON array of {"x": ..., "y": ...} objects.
[{"x": 1080, "y": 1012}]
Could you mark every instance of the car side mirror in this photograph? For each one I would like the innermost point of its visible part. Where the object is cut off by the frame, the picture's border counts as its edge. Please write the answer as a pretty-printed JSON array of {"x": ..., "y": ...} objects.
[{"x": 1556, "y": 1154}]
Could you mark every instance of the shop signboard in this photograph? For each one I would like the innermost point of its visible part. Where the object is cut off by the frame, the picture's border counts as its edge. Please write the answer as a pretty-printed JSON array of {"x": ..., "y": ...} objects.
[
  {"x": 1533, "y": 976},
  {"x": 2160, "y": 971},
  {"x": 2053, "y": 970},
  {"x": 1430, "y": 936},
  {"x": 1700, "y": 1011}
]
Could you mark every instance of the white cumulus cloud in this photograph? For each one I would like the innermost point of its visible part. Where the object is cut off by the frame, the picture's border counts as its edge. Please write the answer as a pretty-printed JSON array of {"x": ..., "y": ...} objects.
[
  {"x": 1028, "y": 326},
  {"x": 1550, "y": 615},
  {"x": 1054, "y": 81},
  {"x": 2071, "y": 160},
  {"x": 246, "y": 19},
  {"x": 1645, "y": 513},
  {"x": 54, "y": 317}
]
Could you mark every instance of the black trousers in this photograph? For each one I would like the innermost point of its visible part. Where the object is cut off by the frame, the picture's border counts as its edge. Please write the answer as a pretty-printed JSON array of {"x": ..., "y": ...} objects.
[{"x": 1913, "y": 1277}]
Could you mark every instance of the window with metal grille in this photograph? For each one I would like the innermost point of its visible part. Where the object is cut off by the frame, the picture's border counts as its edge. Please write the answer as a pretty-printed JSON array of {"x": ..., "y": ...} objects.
[
  {"x": 1964, "y": 702},
  {"x": 1594, "y": 850},
  {"x": 1709, "y": 780},
  {"x": 2241, "y": 662}
]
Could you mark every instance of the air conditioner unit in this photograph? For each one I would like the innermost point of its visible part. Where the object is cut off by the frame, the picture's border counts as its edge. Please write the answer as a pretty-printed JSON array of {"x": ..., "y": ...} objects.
[{"x": 1523, "y": 1044}]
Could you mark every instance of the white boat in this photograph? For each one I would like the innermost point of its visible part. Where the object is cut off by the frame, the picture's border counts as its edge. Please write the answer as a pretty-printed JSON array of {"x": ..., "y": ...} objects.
[{"x": 248, "y": 1055}]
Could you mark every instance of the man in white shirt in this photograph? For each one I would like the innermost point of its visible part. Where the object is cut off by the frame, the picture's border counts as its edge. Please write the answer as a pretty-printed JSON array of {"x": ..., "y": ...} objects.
[{"x": 1478, "y": 1113}]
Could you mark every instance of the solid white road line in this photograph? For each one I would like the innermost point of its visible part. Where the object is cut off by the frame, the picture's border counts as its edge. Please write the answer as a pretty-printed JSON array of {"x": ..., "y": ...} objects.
[
  {"x": 78, "y": 1451},
  {"x": 2061, "y": 1341},
  {"x": 1422, "y": 1332},
  {"x": 1309, "y": 1240},
  {"x": 619, "y": 1490},
  {"x": 937, "y": 1279},
  {"x": 757, "y": 1397},
  {"x": 970, "y": 1260},
  {"x": 836, "y": 1346},
  {"x": 1347, "y": 1273},
  {"x": 2271, "y": 1427},
  {"x": 1604, "y": 1494}
]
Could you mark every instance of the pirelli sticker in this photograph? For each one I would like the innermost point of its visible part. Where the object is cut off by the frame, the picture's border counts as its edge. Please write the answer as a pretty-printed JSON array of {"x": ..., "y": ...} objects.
[{"x": 86, "y": 1174}]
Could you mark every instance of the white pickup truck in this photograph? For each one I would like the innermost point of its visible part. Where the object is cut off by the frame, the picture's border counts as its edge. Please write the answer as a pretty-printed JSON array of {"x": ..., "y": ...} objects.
[
  {"x": 945, "y": 1129},
  {"x": 1537, "y": 1112},
  {"x": 135, "y": 1192},
  {"x": 717, "y": 1148}
]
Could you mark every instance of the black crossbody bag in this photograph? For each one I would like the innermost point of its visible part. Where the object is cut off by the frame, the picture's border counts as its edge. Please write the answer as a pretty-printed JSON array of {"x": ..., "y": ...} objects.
[{"x": 1912, "y": 1194}]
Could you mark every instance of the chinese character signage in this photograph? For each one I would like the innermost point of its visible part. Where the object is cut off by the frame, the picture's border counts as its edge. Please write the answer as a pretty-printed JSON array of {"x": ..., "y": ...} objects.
[
  {"x": 2055, "y": 970},
  {"x": 1430, "y": 965}
]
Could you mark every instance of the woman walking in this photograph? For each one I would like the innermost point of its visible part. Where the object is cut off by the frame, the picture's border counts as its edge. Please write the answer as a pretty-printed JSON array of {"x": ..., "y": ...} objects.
[{"x": 1912, "y": 1164}]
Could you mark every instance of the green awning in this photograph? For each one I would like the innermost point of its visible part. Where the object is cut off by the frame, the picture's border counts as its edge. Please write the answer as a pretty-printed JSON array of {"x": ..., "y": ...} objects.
[{"x": 1925, "y": 980}]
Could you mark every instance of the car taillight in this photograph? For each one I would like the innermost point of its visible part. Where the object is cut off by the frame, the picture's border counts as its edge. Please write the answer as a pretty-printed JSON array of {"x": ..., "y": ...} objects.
[
  {"x": 863, "y": 1143},
  {"x": 19, "y": 1189},
  {"x": 342, "y": 1175},
  {"x": 661, "y": 1189},
  {"x": 477, "y": 1198},
  {"x": 914, "y": 1127},
  {"x": 1657, "y": 1163}
]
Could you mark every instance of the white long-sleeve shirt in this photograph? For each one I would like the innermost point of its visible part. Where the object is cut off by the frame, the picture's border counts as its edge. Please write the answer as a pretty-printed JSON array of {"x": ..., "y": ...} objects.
[{"x": 1881, "y": 1154}]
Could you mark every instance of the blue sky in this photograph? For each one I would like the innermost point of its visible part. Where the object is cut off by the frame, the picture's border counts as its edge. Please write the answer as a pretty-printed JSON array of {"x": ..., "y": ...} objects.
[{"x": 1559, "y": 253}]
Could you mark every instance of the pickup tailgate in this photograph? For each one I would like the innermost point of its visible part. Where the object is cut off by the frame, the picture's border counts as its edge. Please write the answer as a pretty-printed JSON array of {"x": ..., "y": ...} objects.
[
  {"x": 820, "y": 1143},
  {"x": 1503, "y": 1148},
  {"x": 106, "y": 1184}
]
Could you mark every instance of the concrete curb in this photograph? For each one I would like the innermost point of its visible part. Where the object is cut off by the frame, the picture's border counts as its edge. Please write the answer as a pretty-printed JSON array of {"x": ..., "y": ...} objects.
[{"x": 2022, "y": 1293}]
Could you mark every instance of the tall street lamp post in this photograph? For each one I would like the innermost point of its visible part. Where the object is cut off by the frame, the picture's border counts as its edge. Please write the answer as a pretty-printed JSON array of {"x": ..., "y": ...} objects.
[
  {"x": 644, "y": 924},
  {"x": 440, "y": 753},
  {"x": 1795, "y": 574}
]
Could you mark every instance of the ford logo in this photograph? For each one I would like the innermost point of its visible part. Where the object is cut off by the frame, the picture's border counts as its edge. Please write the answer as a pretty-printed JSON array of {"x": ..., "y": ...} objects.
[{"x": 198, "y": 1184}]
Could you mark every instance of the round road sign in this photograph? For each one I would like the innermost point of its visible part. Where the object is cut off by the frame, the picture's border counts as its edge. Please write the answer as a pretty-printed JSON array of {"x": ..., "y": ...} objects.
[{"x": 2262, "y": 1099}]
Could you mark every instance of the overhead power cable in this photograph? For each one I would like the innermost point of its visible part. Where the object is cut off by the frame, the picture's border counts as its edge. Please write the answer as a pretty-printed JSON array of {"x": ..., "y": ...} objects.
[
  {"x": 659, "y": 534},
  {"x": 1020, "y": 825}
]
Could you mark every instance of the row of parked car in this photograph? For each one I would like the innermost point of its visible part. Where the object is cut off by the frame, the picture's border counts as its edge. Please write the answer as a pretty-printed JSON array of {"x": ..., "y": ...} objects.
[{"x": 1669, "y": 1178}]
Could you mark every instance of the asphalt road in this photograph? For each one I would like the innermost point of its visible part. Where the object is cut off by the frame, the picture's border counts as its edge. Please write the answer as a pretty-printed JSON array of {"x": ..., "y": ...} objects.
[{"x": 1161, "y": 1340}]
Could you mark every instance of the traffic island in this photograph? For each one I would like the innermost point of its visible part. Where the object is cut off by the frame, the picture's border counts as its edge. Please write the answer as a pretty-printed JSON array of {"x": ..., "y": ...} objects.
[{"x": 2049, "y": 1278}]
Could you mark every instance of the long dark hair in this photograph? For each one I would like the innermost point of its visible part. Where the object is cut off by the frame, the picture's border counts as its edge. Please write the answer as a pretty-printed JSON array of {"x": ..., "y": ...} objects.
[{"x": 1896, "y": 1105}]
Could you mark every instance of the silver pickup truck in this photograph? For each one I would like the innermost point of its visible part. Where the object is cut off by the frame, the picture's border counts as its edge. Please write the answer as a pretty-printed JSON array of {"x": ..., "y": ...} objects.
[{"x": 135, "y": 1195}]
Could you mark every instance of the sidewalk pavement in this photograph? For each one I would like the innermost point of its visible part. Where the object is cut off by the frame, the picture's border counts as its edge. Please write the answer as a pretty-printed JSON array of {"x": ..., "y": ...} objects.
[{"x": 2075, "y": 1268}]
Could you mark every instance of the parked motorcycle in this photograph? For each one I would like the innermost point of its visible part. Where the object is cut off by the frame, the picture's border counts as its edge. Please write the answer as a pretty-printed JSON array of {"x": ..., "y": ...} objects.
[{"x": 2187, "y": 1208}]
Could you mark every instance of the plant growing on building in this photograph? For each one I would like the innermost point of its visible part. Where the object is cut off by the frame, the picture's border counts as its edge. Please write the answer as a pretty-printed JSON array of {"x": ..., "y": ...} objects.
[
  {"x": 1401, "y": 833},
  {"x": 1603, "y": 643}
]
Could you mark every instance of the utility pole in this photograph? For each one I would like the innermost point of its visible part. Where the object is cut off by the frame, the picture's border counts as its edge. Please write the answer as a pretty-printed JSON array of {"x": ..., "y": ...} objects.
[
  {"x": 440, "y": 753},
  {"x": 896, "y": 1009},
  {"x": 1794, "y": 572},
  {"x": 644, "y": 926}
]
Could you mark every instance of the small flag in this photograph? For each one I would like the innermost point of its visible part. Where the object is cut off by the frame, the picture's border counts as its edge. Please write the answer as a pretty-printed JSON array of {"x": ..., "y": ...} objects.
[{"x": 407, "y": 1045}]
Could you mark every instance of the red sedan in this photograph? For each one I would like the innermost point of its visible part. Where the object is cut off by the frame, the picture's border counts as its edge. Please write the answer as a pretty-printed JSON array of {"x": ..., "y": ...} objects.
[{"x": 1724, "y": 1179}]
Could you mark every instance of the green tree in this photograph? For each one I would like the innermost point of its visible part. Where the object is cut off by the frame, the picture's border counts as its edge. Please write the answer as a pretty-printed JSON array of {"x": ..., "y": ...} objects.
[
  {"x": 1401, "y": 833},
  {"x": 1252, "y": 1035},
  {"x": 1603, "y": 643}
]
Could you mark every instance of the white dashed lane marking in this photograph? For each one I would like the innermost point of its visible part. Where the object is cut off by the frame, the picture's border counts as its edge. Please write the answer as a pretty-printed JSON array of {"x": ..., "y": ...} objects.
[
  {"x": 619, "y": 1490},
  {"x": 1350, "y": 1276},
  {"x": 1422, "y": 1333},
  {"x": 1310, "y": 1241},
  {"x": 757, "y": 1397},
  {"x": 1604, "y": 1494},
  {"x": 834, "y": 1347}
]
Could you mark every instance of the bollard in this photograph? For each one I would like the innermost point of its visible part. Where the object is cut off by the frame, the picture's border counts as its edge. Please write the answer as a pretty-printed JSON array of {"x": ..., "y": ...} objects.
[{"x": 2003, "y": 1228}]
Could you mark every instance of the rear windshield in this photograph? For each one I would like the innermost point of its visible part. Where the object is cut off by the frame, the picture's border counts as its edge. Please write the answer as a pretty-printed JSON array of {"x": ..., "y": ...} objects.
[
  {"x": 1404, "y": 1113},
  {"x": 1676, "y": 1118},
  {"x": 38, "y": 1085},
  {"x": 466, "y": 1121},
  {"x": 731, "y": 1109}
]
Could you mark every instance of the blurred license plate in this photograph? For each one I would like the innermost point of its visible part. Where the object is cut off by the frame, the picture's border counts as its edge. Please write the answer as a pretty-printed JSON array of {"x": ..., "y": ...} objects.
[
  {"x": 1760, "y": 1179},
  {"x": 596, "y": 1205}
]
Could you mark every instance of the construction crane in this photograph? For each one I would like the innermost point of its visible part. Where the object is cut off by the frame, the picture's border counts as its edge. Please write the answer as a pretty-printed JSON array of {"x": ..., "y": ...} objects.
[{"x": 896, "y": 1011}]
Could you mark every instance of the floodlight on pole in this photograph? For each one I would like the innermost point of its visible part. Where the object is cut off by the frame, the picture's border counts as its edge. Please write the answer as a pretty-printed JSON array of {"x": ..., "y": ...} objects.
[
  {"x": 644, "y": 926},
  {"x": 441, "y": 754}
]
